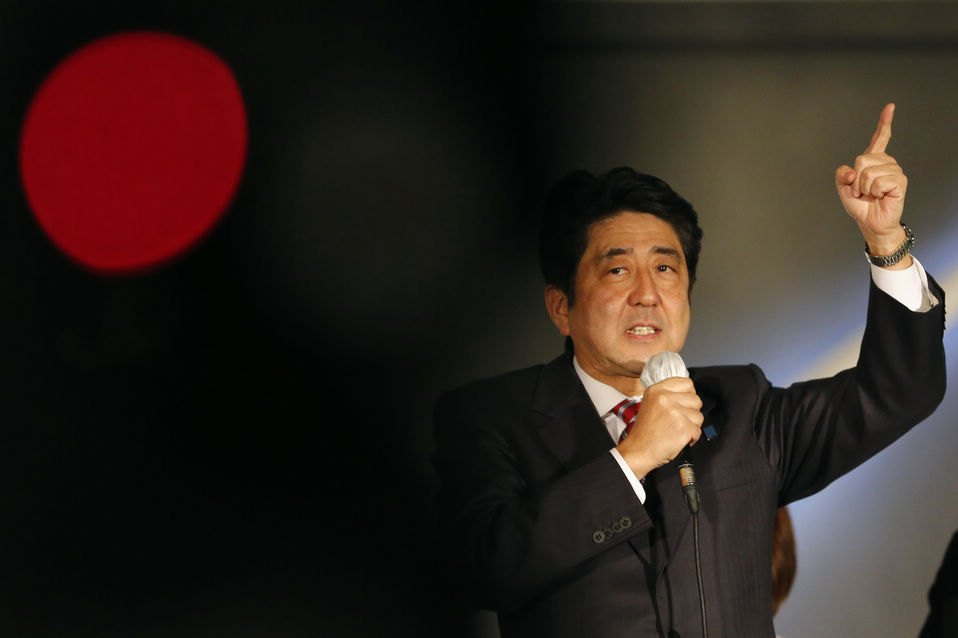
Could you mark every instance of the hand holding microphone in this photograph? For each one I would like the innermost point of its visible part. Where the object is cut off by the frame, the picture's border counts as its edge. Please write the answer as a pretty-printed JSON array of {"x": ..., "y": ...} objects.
[{"x": 670, "y": 419}]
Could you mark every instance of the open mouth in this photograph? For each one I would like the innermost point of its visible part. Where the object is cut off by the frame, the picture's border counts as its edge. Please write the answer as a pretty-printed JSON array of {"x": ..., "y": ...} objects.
[{"x": 642, "y": 330}]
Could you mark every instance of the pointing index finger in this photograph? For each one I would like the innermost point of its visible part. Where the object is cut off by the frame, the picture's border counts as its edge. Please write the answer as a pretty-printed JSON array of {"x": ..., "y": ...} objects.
[{"x": 883, "y": 132}]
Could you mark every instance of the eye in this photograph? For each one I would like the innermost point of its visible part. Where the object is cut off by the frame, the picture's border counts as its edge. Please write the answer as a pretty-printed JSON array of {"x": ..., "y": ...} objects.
[
  {"x": 618, "y": 270},
  {"x": 664, "y": 268}
]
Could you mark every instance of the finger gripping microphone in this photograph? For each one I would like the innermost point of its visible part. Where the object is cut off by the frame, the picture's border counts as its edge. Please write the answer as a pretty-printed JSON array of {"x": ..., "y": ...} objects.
[{"x": 659, "y": 367}]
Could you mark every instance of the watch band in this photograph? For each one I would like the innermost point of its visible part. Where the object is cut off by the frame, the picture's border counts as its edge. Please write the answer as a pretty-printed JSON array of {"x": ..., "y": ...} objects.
[{"x": 898, "y": 255}]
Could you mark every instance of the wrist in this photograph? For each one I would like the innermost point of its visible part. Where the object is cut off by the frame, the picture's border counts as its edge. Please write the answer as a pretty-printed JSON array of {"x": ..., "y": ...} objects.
[
  {"x": 638, "y": 462},
  {"x": 890, "y": 250}
]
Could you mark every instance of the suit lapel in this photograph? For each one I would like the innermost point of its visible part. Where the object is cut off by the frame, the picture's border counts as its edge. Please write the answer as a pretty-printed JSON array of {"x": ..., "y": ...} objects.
[{"x": 570, "y": 426}]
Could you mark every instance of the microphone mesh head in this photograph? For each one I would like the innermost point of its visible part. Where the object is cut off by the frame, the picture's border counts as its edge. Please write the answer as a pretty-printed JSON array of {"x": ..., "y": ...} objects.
[{"x": 661, "y": 366}]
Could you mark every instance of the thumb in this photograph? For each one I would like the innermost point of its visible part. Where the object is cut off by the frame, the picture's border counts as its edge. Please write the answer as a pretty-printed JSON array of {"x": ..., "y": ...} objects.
[{"x": 845, "y": 182}]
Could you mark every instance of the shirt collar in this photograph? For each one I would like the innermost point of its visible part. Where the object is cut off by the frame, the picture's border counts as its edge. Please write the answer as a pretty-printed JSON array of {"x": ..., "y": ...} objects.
[{"x": 604, "y": 397}]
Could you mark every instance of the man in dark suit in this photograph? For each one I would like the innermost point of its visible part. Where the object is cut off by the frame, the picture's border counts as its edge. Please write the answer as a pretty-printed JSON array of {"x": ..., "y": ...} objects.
[{"x": 566, "y": 528}]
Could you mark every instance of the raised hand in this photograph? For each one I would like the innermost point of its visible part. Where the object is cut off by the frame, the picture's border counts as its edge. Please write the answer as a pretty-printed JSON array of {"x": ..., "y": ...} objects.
[{"x": 873, "y": 192}]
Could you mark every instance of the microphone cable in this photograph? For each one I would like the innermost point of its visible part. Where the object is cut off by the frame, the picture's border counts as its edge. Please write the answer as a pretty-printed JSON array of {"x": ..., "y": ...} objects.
[
  {"x": 687, "y": 475},
  {"x": 698, "y": 573}
]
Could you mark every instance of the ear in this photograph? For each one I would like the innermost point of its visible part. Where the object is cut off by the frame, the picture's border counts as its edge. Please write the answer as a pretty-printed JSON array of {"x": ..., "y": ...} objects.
[{"x": 557, "y": 304}]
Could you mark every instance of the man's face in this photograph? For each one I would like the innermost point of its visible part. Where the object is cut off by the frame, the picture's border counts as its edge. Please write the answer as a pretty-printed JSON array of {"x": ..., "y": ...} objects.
[{"x": 631, "y": 298}]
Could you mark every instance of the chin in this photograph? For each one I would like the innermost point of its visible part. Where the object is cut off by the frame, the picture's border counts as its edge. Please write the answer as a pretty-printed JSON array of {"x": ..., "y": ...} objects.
[{"x": 634, "y": 366}]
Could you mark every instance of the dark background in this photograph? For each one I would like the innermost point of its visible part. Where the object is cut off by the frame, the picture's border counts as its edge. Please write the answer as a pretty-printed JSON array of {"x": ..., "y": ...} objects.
[
  {"x": 237, "y": 444},
  {"x": 190, "y": 451}
]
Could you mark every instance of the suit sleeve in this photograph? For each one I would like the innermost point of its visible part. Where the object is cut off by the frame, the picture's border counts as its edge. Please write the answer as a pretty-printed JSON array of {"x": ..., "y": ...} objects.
[
  {"x": 513, "y": 520},
  {"x": 815, "y": 431}
]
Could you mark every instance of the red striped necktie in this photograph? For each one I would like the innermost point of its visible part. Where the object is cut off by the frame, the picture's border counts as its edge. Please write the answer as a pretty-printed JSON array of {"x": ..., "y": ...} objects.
[{"x": 627, "y": 410}]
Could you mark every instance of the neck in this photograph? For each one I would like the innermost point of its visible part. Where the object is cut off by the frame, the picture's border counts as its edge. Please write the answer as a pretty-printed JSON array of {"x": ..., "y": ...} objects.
[{"x": 628, "y": 385}]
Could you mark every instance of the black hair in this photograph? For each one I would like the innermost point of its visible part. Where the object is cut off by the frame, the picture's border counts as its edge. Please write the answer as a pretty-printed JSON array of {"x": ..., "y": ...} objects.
[{"x": 580, "y": 199}]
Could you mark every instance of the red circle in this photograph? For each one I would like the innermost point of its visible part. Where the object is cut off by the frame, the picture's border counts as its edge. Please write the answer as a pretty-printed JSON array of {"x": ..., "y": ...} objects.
[{"x": 132, "y": 149}]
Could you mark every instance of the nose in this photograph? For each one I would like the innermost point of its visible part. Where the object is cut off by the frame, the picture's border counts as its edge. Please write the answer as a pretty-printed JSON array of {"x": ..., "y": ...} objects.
[{"x": 644, "y": 291}]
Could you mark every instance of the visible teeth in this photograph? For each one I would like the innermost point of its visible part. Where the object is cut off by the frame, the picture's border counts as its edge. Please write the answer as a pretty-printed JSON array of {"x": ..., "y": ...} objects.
[{"x": 641, "y": 330}]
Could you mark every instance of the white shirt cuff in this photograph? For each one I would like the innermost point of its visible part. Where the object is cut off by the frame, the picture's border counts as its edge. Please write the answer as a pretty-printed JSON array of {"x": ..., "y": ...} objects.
[
  {"x": 629, "y": 474},
  {"x": 909, "y": 286}
]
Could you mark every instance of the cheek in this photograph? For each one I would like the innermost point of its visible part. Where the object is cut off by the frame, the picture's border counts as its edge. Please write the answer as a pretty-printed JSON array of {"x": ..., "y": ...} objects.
[
  {"x": 594, "y": 313},
  {"x": 606, "y": 311},
  {"x": 679, "y": 311}
]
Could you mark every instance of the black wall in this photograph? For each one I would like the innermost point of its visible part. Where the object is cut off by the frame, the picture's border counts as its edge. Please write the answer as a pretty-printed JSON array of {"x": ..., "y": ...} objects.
[{"x": 186, "y": 452}]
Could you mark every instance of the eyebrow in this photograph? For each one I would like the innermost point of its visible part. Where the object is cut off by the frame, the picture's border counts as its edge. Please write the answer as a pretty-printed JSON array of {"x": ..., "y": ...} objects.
[
  {"x": 613, "y": 252},
  {"x": 666, "y": 250},
  {"x": 655, "y": 250}
]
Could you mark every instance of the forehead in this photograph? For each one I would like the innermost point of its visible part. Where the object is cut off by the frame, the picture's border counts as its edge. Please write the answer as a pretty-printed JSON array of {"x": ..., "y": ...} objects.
[{"x": 632, "y": 230}]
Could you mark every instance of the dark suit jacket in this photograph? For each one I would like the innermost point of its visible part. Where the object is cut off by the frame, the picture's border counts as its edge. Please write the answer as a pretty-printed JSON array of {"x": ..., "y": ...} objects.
[
  {"x": 543, "y": 527},
  {"x": 942, "y": 620}
]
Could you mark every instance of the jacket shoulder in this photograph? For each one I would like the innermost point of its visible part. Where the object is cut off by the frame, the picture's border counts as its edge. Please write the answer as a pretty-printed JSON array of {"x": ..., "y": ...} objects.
[
  {"x": 722, "y": 378},
  {"x": 517, "y": 386}
]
